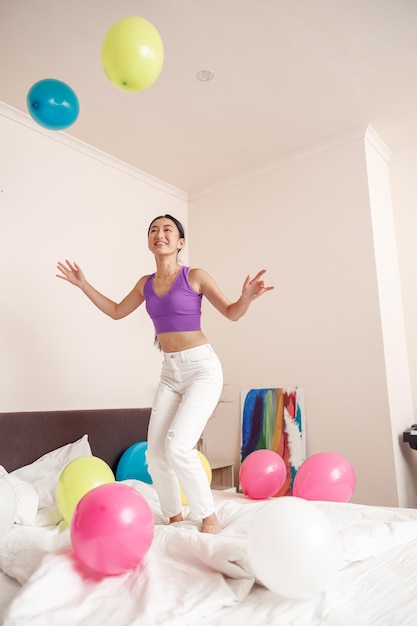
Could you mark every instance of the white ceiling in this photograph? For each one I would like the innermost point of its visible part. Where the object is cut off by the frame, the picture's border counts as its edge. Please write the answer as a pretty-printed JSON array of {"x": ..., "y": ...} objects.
[{"x": 288, "y": 74}]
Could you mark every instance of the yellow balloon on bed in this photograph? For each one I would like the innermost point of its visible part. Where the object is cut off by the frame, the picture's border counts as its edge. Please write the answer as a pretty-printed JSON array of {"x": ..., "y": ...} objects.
[
  {"x": 132, "y": 54},
  {"x": 78, "y": 478},
  {"x": 207, "y": 469}
]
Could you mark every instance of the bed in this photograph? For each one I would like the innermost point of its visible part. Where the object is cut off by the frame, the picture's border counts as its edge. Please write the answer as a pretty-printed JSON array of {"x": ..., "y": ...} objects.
[{"x": 186, "y": 577}]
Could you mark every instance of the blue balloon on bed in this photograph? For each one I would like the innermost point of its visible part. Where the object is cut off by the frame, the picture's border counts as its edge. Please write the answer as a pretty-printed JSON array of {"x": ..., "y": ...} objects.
[{"x": 133, "y": 463}]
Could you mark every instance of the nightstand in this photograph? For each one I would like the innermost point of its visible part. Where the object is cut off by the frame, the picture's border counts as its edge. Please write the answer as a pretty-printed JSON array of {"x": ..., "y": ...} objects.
[{"x": 222, "y": 474}]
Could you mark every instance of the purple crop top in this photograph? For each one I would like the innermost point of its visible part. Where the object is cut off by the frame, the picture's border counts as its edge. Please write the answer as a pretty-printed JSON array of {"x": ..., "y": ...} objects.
[{"x": 179, "y": 310}]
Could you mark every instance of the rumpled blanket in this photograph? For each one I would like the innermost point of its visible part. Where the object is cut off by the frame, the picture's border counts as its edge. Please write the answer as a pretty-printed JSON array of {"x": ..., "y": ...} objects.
[{"x": 186, "y": 576}]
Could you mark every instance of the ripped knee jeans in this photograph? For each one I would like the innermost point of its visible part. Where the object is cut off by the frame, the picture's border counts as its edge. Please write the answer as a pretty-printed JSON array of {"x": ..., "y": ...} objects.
[{"x": 188, "y": 392}]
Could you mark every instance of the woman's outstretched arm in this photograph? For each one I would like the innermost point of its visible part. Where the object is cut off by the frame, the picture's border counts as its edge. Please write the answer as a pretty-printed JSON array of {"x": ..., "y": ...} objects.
[
  {"x": 72, "y": 273},
  {"x": 252, "y": 289}
]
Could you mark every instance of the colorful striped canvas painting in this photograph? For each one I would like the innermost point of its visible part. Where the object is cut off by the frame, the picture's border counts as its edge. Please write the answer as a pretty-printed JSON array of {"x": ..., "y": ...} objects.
[{"x": 273, "y": 419}]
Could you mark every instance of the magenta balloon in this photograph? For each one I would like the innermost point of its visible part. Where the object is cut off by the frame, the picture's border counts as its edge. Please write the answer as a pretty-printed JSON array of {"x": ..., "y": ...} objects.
[
  {"x": 112, "y": 529},
  {"x": 262, "y": 474},
  {"x": 325, "y": 476}
]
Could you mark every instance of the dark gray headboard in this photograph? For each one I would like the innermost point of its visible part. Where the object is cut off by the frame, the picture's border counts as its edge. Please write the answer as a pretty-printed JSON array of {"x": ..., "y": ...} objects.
[{"x": 26, "y": 436}]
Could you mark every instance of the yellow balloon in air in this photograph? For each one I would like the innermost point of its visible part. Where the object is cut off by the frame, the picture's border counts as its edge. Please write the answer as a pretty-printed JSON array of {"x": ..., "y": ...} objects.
[
  {"x": 207, "y": 468},
  {"x": 132, "y": 54}
]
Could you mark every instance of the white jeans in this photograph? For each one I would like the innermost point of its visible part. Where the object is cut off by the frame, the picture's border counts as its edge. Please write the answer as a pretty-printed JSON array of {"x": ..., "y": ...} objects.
[{"x": 188, "y": 392}]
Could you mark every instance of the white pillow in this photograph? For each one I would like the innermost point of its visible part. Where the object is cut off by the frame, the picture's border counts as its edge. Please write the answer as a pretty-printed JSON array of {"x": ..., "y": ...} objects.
[
  {"x": 48, "y": 516},
  {"x": 26, "y": 496},
  {"x": 44, "y": 473}
]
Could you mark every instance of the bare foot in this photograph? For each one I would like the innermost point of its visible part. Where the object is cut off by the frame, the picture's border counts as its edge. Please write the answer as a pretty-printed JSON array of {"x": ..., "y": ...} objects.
[
  {"x": 211, "y": 525},
  {"x": 177, "y": 518}
]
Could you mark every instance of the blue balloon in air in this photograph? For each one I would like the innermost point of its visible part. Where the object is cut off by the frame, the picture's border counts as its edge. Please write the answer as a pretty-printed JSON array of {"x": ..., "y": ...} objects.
[{"x": 52, "y": 104}]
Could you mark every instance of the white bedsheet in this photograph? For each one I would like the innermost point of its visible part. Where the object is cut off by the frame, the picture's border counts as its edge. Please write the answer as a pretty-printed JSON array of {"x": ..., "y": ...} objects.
[{"x": 191, "y": 578}]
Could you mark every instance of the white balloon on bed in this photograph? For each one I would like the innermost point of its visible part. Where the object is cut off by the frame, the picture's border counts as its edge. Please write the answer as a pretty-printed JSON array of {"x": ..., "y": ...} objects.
[
  {"x": 293, "y": 548},
  {"x": 8, "y": 507}
]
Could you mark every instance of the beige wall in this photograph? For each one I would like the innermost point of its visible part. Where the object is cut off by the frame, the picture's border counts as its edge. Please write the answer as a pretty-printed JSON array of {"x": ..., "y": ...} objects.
[
  {"x": 403, "y": 177},
  {"x": 391, "y": 308},
  {"x": 403, "y": 168},
  {"x": 307, "y": 221},
  {"x": 60, "y": 199}
]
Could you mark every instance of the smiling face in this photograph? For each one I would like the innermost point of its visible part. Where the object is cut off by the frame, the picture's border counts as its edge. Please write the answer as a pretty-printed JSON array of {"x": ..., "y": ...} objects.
[{"x": 164, "y": 237}]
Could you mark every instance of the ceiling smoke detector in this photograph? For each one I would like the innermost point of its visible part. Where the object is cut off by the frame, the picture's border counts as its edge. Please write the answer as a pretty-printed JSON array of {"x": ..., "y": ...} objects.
[{"x": 205, "y": 75}]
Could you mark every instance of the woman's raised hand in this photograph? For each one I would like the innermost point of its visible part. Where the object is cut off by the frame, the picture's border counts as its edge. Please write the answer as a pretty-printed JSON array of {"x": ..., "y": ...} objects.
[
  {"x": 71, "y": 272},
  {"x": 255, "y": 287}
]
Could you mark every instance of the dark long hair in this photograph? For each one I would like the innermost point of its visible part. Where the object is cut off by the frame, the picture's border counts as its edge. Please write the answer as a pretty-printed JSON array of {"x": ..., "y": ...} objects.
[{"x": 177, "y": 223}]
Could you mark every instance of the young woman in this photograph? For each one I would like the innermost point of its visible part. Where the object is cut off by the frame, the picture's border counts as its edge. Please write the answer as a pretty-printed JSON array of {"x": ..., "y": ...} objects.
[{"x": 191, "y": 378}]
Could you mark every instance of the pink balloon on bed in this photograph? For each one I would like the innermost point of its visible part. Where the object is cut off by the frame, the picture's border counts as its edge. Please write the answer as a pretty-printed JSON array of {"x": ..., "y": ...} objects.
[
  {"x": 262, "y": 474},
  {"x": 112, "y": 529},
  {"x": 325, "y": 476}
]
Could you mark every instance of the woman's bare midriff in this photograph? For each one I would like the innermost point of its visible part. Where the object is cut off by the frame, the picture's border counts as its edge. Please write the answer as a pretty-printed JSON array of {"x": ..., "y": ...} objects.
[{"x": 176, "y": 342}]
